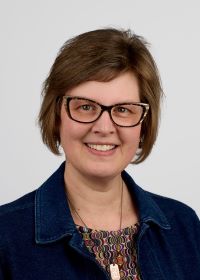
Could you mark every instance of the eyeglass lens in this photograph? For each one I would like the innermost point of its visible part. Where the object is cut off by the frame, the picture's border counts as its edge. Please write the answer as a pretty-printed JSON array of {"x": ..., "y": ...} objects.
[{"x": 86, "y": 111}]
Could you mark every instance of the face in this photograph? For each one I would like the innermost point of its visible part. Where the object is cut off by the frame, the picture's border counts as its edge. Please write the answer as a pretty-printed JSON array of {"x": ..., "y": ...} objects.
[{"x": 84, "y": 144}]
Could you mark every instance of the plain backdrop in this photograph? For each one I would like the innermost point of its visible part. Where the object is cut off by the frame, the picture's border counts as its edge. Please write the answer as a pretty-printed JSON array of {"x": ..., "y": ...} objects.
[{"x": 31, "y": 33}]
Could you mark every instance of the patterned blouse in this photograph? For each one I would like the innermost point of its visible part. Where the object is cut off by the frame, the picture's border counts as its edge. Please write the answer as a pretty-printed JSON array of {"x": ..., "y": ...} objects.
[{"x": 114, "y": 247}]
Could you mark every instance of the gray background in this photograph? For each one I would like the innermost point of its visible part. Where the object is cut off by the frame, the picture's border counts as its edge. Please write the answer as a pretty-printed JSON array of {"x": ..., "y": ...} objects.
[{"x": 31, "y": 34}]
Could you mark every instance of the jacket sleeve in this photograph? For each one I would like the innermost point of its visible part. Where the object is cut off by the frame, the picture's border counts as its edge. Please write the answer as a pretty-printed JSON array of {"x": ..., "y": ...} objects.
[
  {"x": 3, "y": 275},
  {"x": 196, "y": 226},
  {"x": 1, "y": 271},
  {"x": 194, "y": 231}
]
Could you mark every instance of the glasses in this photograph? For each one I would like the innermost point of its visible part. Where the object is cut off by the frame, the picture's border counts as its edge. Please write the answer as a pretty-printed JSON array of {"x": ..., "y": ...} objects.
[{"x": 84, "y": 110}]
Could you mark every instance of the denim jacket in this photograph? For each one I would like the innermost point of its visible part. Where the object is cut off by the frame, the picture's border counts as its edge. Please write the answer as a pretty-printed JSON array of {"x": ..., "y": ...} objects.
[{"x": 39, "y": 240}]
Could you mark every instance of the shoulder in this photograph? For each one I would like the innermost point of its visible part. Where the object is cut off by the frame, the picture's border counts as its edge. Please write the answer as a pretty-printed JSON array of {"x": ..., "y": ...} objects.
[
  {"x": 16, "y": 217},
  {"x": 170, "y": 204},
  {"x": 17, "y": 205},
  {"x": 160, "y": 207},
  {"x": 175, "y": 211}
]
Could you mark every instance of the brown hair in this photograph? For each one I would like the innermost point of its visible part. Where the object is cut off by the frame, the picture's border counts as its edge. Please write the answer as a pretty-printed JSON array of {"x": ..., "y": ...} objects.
[{"x": 101, "y": 55}]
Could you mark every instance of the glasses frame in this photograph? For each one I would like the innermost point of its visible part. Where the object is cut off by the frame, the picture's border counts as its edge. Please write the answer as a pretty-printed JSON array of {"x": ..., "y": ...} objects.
[{"x": 104, "y": 108}]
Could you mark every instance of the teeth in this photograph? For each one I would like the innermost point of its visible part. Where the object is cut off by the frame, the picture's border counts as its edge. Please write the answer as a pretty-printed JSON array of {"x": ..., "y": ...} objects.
[{"x": 101, "y": 147}]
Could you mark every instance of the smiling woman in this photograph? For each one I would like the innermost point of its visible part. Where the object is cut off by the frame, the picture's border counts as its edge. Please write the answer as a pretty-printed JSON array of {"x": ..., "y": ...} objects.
[
  {"x": 90, "y": 220},
  {"x": 84, "y": 142}
]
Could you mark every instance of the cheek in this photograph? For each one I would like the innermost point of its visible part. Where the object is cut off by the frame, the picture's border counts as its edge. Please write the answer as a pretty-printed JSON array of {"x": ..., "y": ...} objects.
[
  {"x": 71, "y": 132},
  {"x": 132, "y": 136},
  {"x": 131, "y": 143},
  {"x": 68, "y": 133},
  {"x": 66, "y": 128}
]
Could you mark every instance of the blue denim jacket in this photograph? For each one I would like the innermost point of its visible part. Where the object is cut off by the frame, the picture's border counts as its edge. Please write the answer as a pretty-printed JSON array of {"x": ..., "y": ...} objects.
[{"x": 39, "y": 240}]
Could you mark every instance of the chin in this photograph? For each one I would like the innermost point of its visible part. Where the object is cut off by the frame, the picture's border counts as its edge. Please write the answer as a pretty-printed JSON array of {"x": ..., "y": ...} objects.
[{"x": 103, "y": 172}]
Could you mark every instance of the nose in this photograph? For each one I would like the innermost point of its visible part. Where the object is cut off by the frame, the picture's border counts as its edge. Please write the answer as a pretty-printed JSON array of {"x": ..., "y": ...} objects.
[{"x": 104, "y": 124}]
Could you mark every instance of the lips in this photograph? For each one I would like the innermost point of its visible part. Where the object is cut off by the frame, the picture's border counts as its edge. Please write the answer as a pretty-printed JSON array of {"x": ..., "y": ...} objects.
[{"x": 101, "y": 147}]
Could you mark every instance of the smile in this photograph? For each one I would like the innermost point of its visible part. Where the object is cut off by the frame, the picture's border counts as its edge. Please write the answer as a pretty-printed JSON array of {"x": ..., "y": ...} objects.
[{"x": 102, "y": 148}]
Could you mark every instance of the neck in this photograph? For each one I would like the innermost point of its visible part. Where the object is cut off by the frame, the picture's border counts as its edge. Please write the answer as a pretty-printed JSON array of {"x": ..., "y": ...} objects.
[
  {"x": 92, "y": 197},
  {"x": 91, "y": 190}
]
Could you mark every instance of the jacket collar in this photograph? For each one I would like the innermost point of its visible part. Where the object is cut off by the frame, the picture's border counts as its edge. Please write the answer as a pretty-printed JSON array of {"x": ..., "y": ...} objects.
[
  {"x": 148, "y": 209},
  {"x": 53, "y": 219}
]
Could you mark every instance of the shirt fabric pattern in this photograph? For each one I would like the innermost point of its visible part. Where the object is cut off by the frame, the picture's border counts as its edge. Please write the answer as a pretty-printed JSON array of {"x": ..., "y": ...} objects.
[{"x": 116, "y": 247}]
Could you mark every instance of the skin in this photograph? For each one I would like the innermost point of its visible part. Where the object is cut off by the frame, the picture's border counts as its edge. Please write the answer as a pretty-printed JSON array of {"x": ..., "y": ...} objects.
[{"x": 93, "y": 178}]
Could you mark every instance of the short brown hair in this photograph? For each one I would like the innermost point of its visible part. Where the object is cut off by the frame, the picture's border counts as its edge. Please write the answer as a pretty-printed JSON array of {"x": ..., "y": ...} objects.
[{"x": 101, "y": 55}]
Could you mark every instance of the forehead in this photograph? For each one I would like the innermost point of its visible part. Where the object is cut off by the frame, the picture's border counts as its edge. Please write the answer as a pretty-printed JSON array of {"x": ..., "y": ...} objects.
[{"x": 123, "y": 88}]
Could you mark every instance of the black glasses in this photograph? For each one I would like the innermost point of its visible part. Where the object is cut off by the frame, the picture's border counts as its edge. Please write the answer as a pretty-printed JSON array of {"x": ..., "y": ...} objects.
[{"x": 84, "y": 110}]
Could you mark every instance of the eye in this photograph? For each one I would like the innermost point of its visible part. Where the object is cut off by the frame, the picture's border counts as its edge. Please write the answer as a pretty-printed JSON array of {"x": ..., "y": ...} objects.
[
  {"x": 122, "y": 110},
  {"x": 86, "y": 107},
  {"x": 126, "y": 110},
  {"x": 83, "y": 106}
]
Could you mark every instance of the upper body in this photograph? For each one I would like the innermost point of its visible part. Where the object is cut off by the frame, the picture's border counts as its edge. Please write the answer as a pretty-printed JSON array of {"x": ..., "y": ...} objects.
[
  {"x": 101, "y": 104},
  {"x": 39, "y": 239}
]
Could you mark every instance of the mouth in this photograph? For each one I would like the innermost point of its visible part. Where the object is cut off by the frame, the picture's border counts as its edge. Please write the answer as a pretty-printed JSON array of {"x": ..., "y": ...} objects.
[{"x": 100, "y": 147}]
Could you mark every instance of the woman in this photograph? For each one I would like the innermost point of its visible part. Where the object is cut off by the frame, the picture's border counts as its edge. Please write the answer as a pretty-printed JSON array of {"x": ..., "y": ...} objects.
[{"x": 90, "y": 220}]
